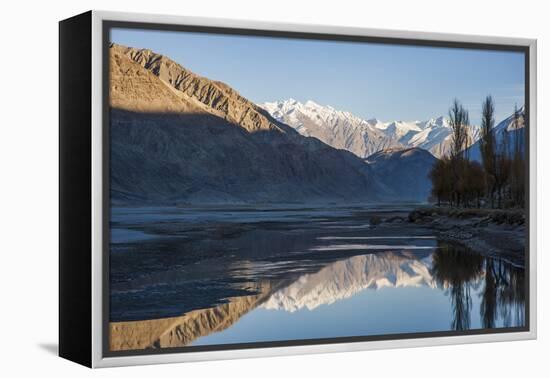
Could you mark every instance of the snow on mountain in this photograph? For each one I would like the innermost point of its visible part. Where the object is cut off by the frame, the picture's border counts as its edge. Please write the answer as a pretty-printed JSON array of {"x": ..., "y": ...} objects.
[
  {"x": 432, "y": 132},
  {"x": 400, "y": 129},
  {"x": 375, "y": 122},
  {"x": 436, "y": 136},
  {"x": 344, "y": 130},
  {"x": 339, "y": 129},
  {"x": 342, "y": 279},
  {"x": 504, "y": 129}
]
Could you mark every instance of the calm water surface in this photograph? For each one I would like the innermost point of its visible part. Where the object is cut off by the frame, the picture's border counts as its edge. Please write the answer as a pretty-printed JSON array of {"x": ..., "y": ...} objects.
[{"x": 235, "y": 275}]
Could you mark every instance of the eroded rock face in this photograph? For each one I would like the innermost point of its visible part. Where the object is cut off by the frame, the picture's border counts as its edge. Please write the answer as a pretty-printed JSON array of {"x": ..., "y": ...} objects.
[
  {"x": 179, "y": 138},
  {"x": 219, "y": 98}
]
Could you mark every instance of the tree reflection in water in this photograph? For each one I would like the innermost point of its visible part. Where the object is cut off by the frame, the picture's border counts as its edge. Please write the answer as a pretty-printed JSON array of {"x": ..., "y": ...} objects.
[{"x": 458, "y": 270}]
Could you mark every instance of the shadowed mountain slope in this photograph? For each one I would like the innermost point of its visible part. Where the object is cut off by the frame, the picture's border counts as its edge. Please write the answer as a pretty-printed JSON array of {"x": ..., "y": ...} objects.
[
  {"x": 404, "y": 171},
  {"x": 177, "y": 137}
]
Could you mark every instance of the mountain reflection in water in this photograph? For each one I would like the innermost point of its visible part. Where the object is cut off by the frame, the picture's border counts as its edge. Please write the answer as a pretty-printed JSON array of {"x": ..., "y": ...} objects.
[
  {"x": 467, "y": 280},
  {"x": 187, "y": 277}
]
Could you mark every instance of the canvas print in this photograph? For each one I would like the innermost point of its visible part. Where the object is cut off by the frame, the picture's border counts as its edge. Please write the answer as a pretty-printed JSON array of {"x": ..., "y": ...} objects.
[{"x": 282, "y": 190}]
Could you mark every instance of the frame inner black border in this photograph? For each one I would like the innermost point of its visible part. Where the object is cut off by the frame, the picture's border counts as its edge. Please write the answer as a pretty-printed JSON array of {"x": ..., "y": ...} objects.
[{"x": 107, "y": 25}]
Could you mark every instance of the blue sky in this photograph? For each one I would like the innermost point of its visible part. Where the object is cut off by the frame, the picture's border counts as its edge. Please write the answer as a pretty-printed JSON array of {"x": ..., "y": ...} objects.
[{"x": 389, "y": 82}]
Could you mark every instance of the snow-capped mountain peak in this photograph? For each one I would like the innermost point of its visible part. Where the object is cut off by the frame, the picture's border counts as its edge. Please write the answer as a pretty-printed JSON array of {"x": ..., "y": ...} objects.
[
  {"x": 344, "y": 130},
  {"x": 400, "y": 128},
  {"x": 435, "y": 122},
  {"x": 337, "y": 128},
  {"x": 313, "y": 105}
]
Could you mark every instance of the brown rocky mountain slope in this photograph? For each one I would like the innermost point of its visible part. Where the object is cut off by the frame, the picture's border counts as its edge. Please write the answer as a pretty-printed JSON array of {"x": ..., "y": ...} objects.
[
  {"x": 216, "y": 97},
  {"x": 177, "y": 137}
]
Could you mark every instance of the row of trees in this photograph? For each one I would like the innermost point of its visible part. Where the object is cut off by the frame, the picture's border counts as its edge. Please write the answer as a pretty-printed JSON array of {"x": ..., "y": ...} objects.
[{"x": 499, "y": 180}]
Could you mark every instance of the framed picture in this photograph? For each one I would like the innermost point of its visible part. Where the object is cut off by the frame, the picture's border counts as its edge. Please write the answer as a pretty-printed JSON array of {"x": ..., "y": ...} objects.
[{"x": 233, "y": 189}]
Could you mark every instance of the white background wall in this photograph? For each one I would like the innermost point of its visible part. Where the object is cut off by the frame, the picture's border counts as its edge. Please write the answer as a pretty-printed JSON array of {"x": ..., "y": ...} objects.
[{"x": 28, "y": 211}]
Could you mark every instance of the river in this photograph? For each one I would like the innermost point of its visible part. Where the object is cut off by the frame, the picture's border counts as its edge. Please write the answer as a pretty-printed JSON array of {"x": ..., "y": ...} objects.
[{"x": 232, "y": 275}]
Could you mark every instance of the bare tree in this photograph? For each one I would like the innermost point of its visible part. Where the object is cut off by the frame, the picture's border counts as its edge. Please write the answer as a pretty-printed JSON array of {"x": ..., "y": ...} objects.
[
  {"x": 458, "y": 120},
  {"x": 501, "y": 176},
  {"x": 487, "y": 146}
]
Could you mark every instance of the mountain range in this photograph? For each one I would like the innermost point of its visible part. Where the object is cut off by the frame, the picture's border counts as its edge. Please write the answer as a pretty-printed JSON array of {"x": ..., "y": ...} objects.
[
  {"x": 344, "y": 130},
  {"x": 180, "y": 138},
  {"x": 177, "y": 138}
]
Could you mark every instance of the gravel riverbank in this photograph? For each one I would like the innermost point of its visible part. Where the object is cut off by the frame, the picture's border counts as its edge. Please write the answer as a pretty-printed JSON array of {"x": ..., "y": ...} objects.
[{"x": 498, "y": 233}]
